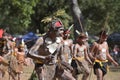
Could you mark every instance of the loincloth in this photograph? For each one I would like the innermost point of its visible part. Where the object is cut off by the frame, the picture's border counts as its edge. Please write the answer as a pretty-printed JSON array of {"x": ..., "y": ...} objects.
[
  {"x": 100, "y": 65},
  {"x": 38, "y": 65}
]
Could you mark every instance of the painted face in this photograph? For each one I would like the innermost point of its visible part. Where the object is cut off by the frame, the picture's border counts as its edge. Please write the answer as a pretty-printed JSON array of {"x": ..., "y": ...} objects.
[
  {"x": 103, "y": 38},
  {"x": 67, "y": 35},
  {"x": 59, "y": 31},
  {"x": 81, "y": 40}
]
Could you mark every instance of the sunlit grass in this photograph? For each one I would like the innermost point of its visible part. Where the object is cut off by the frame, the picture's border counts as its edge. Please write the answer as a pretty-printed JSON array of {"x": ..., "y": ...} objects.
[{"x": 111, "y": 75}]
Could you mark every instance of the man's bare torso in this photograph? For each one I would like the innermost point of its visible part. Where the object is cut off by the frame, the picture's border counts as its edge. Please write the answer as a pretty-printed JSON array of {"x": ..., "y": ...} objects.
[
  {"x": 80, "y": 50},
  {"x": 101, "y": 51}
]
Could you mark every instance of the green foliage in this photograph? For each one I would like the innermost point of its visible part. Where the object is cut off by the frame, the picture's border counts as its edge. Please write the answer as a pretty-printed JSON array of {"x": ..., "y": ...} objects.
[
  {"x": 95, "y": 13},
  {"x": 18, "y": 16},
  {"x": 33, "y": 76},
  {"x": 58, "y": 14},
  {"x": 48, "y": 9}
]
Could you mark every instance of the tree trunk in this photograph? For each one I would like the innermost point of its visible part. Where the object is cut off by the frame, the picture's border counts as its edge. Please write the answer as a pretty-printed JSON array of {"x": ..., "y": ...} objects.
[{"x": 77, "y": 17}]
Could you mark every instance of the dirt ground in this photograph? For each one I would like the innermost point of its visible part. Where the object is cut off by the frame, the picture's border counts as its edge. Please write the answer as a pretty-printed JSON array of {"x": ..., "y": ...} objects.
[{"x": 113, "y": 74}]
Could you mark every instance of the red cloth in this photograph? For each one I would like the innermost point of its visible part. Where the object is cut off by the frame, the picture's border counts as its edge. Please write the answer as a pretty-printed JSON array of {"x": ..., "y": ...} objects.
[
  {"x": 1, "y": 33},
  {"x": 58, "y": 24}
]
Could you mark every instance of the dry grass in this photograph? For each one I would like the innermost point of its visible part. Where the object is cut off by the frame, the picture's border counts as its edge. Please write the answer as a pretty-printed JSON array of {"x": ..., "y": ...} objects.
[
  {"x": 25, "y": 76},
  {"x": 112, "y": 75}
]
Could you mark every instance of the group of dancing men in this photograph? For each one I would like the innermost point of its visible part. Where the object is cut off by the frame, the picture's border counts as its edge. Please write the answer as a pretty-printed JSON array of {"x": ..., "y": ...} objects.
[{"x": 57, "y": 57}]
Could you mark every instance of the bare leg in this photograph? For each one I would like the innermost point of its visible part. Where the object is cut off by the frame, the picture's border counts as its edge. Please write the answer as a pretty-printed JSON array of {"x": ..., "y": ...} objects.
[
  {"x": 40, "y": 74},
  {"x": 67, "y": 75},
  {"x": 85, "y": 69},
  {"x": 74, "y": 73},
  {"x": 99, "y": 74},
  {"x": 0, "y": 75},
  {"x": 18, "y": 76},
  {"x": 13, "y": 75},
  {"x": 85, "y": 76},
  {"x": 86, "y": 72}
]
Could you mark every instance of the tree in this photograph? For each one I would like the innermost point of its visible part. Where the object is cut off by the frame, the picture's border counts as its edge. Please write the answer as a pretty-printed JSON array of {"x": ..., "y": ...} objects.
[
  {"x": 47, "y": 9},
  {"x": 15, "y": 15},
  {"x": 77, "y": 17},
  {"x": 19, "y": 16},
  {"x": 95, "y": 13}
]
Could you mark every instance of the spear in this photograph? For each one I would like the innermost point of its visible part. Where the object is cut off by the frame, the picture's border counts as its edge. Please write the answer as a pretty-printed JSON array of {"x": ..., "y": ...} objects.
[
  {"x": 70, "y": 27},
  {"x": 102, "y": 29},
  {"x": 77, "y": 32}
]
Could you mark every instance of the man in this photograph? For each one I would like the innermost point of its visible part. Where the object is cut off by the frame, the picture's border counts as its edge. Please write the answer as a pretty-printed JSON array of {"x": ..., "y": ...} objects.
[
  {"x": 64, "y": 68},
  {"x": 68, "y": 42},
  {"x": 4, "y": 48},
  {"x": 45, "y": 51},
  {"x": 6, "y": 58},
  {"x": 100, "y": 52},
  {"x": 80, "y": 55},
  {"x": 20, "y": 55}
]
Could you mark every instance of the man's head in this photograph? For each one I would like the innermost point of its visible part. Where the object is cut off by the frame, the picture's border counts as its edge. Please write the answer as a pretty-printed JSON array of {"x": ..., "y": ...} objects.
[
  {"x": 82, "y": 38},
  {"x": 5, "y": 35},
  {"x": 103, "y": 35},
  {"x": 56, "y": 26},
  {"x": 66, "y": 33}
]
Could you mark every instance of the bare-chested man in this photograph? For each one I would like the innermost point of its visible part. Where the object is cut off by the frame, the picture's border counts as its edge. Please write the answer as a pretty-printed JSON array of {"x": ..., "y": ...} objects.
[
  {"x": 8, "y": 60},
  {"x": 68, "y": 42},
  {"x": 65, "y": 56},
  {"x": 4, "y": 50},
  {"x": 46, "y": 49},
  {"x": 101, "y": 55},
  {"x": 20, "y": 57},
  {"x": 81, "y": 55}
]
